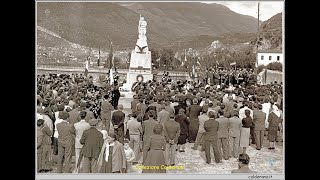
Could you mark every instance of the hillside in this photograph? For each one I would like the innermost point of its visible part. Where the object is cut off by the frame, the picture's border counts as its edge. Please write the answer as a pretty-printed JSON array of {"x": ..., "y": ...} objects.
[
  {"x": 97, "y": 24},
  {"x": 271, "y": 33}
]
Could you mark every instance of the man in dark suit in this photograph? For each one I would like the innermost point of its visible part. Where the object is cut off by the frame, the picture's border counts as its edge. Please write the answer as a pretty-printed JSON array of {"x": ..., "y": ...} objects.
[
  {"x": 148, "y": 126},
  {"x": 92, "y": 141},
  {"x": 172, "y": 133},
  {"x": 65, "y": 142},
  {"x": 134, "y": 103},
  {"x": 118, "y": 123},
  {"x": 223, "y": 135},
  {"x": 211, "y": 127},
  {"x": 259, "y": 121},
  {"x": 115, "y": 96}
]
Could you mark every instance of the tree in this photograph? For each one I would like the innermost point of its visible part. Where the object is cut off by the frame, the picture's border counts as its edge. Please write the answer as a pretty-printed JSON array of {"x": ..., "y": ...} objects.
[
  {"x": 166, "y": 58},
  {"x": 155, "y": 55}
]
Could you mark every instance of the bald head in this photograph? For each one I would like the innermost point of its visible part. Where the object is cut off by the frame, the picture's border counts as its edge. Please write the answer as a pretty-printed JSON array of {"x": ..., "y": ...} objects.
[{"x": 120, "y": 107}]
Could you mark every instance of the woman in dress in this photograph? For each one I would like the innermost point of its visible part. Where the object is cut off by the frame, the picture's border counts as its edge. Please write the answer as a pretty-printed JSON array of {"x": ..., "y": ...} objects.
[
  {"x": 156, "y": 147},
  {"x": 245, "y": 131},
  {"x": 274, "y": 120},
  {"x": 112, "y": 158}
]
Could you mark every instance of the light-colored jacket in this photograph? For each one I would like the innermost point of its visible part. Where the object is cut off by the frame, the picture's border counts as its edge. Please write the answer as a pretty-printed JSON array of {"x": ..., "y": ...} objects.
[{"x": 80, "y": 127}]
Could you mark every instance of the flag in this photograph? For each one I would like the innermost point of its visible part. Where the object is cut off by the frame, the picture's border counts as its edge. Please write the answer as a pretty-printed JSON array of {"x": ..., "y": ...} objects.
[
  {"x": 110, "y": 56},
  {"x": 185, "y": 58},
  {"x": 193, "y": 71},
  {"x": 99, "y": 58},
  {"x": 232, "y": 64},
  {"x": 111, "y": 77},
  {"x": 86, "y": 70},
  {"x": 176, "y": 55}
]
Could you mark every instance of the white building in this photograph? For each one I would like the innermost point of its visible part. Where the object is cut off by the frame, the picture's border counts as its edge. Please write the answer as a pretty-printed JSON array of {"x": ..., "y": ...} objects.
[{"x": 266, "y": 57}]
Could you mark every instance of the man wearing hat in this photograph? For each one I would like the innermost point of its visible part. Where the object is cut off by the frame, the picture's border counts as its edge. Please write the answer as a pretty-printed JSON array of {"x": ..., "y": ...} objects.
[
  {"x": 65, "y": 142},
  {"x": 234, "y": 127},
  {"x": 118, "y": 123},
  {"x": 92, "y": 141}
]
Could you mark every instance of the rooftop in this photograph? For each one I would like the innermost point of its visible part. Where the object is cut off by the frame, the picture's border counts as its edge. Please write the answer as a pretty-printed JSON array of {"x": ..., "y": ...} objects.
[{"x": 270, "y": 51}]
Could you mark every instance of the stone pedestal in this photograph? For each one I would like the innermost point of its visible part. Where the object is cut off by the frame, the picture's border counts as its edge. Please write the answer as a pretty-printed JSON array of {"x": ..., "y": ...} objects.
[{"x": 140, "y": 62}]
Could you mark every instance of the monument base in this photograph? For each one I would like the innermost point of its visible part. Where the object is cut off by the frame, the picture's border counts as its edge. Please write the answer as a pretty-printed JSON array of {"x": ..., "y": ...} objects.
[{"x": 133, "y": 77}]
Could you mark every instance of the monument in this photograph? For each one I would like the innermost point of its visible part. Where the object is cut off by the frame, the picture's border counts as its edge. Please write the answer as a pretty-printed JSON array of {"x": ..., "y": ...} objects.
[{"x": 140, "y": 69}]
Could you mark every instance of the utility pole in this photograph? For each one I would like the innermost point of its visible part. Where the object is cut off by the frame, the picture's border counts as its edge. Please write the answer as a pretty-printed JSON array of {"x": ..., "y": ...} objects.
[
  {"x": 256, "y": 69},
  {"x": 258, "y": 35}
]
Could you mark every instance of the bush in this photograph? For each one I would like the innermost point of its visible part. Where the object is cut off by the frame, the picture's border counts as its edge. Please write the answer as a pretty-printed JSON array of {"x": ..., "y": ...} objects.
[
  {"x": 260, "y": 68},
  {"x": 276, "y": 66}
]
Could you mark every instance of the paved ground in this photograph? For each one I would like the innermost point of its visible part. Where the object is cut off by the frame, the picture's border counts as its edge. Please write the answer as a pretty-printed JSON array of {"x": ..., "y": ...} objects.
[{"x": 263, "y": 161}]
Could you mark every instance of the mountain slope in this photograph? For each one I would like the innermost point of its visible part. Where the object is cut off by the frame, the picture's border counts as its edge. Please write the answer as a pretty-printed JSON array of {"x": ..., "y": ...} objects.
[
  {"x": 96, "y": 24},
  {"x": 272, "y": 30},
  {"x": 271, "y": 34}
]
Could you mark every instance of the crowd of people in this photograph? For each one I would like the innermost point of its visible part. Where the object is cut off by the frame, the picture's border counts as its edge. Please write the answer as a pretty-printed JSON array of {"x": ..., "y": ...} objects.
[{"x": 77, "y": 118}]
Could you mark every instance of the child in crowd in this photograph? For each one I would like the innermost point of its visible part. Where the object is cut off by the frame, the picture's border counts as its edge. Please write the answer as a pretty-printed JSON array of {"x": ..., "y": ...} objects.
[{"x": 129, "y": 155}]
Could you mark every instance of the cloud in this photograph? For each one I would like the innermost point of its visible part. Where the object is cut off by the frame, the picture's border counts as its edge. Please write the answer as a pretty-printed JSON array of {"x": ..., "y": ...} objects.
[{"x": 267, "y": 8}]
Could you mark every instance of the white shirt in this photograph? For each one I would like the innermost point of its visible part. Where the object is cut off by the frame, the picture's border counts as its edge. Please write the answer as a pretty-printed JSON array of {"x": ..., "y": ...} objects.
[
  {"x": 48, "y": 122},
  {"x": 242, "y": 113},
  {"x": 56, "y": 134},
  {"x": 39, "y": 116},
  {"x": 266, "y": 109},
  {"x": 129, "y": 154},
  {"x": 172, "y": 105},
  {"x": 80, "y": 127}
]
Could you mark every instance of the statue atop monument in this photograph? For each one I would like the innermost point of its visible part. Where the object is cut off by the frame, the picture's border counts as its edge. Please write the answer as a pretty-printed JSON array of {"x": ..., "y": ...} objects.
[
  {"x": 142, "y": 28},
  {"x": 142, "y": 45}
]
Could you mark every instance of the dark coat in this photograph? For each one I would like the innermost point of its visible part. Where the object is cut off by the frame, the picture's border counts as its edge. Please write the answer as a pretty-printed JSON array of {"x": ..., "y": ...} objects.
[
  {"x": 184, "y": 123},
  {"x": 92, "y": 141},
  {"x": 274, "y": 122},
  {"x": 148, "y": 126},
  {"x": 155, "y": 157},
  {"x": 118, "y": 119}
]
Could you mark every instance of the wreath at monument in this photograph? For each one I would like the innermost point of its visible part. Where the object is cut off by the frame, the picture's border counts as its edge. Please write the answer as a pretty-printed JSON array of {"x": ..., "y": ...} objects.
[{"x": 139, "y": 78}]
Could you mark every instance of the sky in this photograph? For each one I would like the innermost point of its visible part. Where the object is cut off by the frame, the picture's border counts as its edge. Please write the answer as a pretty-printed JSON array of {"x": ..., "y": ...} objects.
[{"x": 267, "y": 8}]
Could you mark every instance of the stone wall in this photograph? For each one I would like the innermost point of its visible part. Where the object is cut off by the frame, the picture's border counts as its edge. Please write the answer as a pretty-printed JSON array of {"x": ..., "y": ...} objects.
[{"x": 95, "y": 73}]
